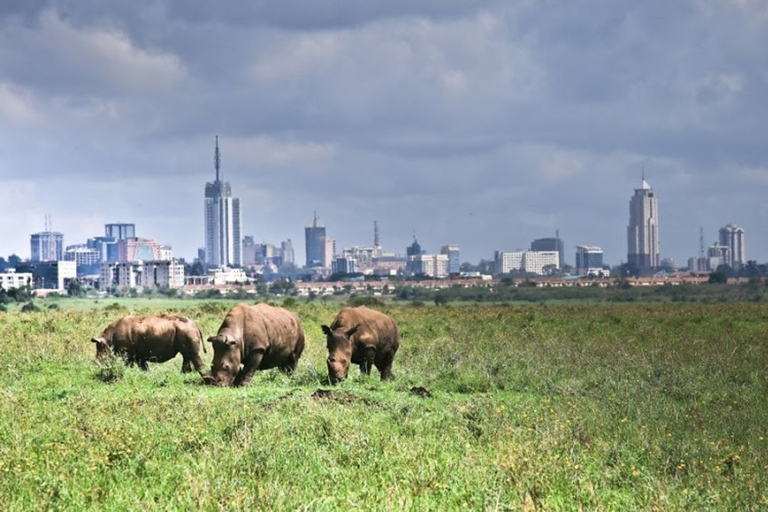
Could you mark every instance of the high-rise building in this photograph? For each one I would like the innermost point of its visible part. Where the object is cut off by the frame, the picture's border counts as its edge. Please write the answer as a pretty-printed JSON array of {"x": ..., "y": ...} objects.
[
  {"x": 643, "y": 229},
  {"x": 732, "y": 237},
  {"x": 454, "y": 260},
  {"x": 223, "y": 243},
  {"x": 414, "y": 249},
  {"x": 46, "y": 246},
  {"x": 550, "y": 244},
  {"x": 120, "y": 231},
  {"x": 314, "y": 236},
  {"x": 286, "y": 249}
]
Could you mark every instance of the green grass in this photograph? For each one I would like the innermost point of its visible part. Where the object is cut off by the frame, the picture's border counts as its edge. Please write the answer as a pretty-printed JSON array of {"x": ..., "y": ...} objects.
[{"x": 562, "y": 407}]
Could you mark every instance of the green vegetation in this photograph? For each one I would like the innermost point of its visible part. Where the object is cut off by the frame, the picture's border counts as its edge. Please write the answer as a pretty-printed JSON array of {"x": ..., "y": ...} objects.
[{"x": 565, "y": 407}]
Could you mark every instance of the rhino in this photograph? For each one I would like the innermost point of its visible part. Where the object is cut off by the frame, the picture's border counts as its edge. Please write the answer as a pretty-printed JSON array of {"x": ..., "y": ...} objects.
[
  {"x": 253, "y": 338},
  {"x": 144, "y": 339},
  {"x": 364, "y": 337}
]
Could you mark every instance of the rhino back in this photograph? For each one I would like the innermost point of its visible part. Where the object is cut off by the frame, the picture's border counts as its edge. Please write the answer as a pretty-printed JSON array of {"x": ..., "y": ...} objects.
[
  {"x": 376, "y": 328},
  {"x": 271, "y": 327}
]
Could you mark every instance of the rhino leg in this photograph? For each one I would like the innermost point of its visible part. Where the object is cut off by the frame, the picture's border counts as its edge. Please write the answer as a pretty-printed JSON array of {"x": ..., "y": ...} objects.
[
  {"x": 368, "y": 361},
  {"x": 186, "y": 366},
  {"x": 143, "y": 364},
  {"x": 385, "y": 366},
  {"x": 252, "y": 364}
]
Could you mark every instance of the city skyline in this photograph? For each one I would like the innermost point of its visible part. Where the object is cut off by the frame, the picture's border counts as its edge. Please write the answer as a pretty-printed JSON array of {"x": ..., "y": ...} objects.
[{"x": 487, "y": 125}]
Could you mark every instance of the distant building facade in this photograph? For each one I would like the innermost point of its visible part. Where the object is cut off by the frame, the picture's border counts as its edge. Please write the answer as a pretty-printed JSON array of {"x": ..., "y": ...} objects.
[
  {"x": 532, "y": 262},
  {"x": 454, "y": 259},
  {"x": 433, "y": 265},
  {"x": 550, "y": 244},
  {"x": 10, "y": 279},
  {"x": 732, "y": 237},
  {"x": 317, "y": 245},
  {"x": 588, "y": 259},
  {"x": 46, "y": 246},
  {"x": 643, "y": 229},
  {"x": 120, "y": 231},
  {"x": 138, "y": 249},
  {"x": 223, "y": 241}
]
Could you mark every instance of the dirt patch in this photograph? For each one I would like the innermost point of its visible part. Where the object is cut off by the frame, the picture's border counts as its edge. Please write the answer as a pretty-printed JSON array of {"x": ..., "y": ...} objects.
[
  {"x": 339, "y": 397},
  {"x": 421, "y": 391}
]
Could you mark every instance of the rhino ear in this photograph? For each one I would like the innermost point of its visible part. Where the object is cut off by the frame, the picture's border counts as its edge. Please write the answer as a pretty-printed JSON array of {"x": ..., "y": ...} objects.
[
  {"x": 352, "y": 331},
  {"x": 212, "y": 339},
  {"x": 326, "y": 330},
  {"x": 97, "y": 340}
]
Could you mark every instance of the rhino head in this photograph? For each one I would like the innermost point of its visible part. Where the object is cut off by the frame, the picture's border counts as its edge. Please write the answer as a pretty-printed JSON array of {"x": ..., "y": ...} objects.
[
  {"x": 227, "y": 355},
  {"x": 340, "y": 346},
  {"x": 103, "y": 349}
]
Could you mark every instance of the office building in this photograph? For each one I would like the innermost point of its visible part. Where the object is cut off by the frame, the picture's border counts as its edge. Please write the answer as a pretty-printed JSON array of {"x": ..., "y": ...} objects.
[
  {"x": 120, "y": 231},
  {"x": 138, "y": 249},
  {"x": 315, "y": 245},
  {"x": 223, "y": 243},
  {"x": 530, "y": 262},
  {"x": 454, "y": 260},
  {"x": 732, "y": 237},
  {"x": 589, "y": 258},
  {"x": 46, "y": 246},
  {"x": 432, "y": 265},
  {"x": 550, "y": 244},
  {"x": 643, "y": 229},
  {"x": 286, "y": 250}
]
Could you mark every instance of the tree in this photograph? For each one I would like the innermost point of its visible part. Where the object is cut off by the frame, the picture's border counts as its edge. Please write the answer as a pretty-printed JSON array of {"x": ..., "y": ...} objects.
[
  {"x": 13, "y": 260},
  {"x": 74, "y": 288},
  {"x": 196, "y": 269},
  {"x": 718, "y": 276}
]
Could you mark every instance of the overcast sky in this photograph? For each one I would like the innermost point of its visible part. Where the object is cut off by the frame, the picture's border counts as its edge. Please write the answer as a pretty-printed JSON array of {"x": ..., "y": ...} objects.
[{"x": 482, "y": 123}]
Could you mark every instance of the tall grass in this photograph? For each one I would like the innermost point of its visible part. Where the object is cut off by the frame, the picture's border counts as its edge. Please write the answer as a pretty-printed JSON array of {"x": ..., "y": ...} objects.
[{"x": 595, "y": 406}]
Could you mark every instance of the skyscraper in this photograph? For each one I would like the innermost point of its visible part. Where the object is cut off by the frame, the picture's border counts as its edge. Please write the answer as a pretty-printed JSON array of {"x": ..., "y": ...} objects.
[
  {"x": 315, "y": 244},
  {"x": 643, "y": 229},
  {"x": 223, "y": 243},
  {"x": 732, "y": 237}
]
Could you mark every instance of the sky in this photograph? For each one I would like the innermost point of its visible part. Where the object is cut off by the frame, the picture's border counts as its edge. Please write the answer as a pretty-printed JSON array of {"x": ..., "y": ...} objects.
[{"x": 483, "y": 123}]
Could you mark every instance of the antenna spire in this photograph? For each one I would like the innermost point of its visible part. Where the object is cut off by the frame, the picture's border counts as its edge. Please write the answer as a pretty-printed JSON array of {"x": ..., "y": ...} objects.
[
  {"x": 217, "y": 158},
  {"x": 376, "y": 234}
]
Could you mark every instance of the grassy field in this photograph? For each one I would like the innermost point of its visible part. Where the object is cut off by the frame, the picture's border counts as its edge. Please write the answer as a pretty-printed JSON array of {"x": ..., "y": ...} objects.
[{"x": 556, "y": 407}]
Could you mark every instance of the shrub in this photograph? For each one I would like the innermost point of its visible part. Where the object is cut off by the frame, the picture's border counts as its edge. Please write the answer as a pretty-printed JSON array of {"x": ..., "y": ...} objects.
[
  {"x": 289, "y": 302},
  {"x": 114, "y": 307},
  {"x": 111, "y": 371},
  {"x": 29, "y": 307},
  {"x": 365, "y": 301}
]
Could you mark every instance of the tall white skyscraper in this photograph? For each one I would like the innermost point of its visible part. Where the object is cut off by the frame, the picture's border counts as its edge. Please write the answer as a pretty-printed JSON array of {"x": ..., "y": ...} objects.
[
  {"x": 732, "y": 237},
  {"x": 223, "y": 243},
  {"x": 643, "y": 229}
]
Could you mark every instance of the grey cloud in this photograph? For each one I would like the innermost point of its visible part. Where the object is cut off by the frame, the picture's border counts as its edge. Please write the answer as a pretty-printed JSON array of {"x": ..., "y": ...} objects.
[{"x": 483, "y": 123}]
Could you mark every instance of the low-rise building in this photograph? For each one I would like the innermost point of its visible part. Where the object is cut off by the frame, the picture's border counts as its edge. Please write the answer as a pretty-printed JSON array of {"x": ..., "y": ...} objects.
[
  {"x": 10, "y": 279},
  {"x": 532, "y": 262},
  {"x": 433, "y": 265}
]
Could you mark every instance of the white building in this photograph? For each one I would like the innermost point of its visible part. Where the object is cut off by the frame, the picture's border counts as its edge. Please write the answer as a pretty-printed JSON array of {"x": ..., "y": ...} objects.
[
  {"x": 82, "y": 255},
  {"x": 732, "y": 237},
  {"x": 433, "y": 265},
  {"x": 532, "y": 262},
  {"x": 162, "y": 274},
  {"x": 226, "y": 275},
  {"x": 643, "y": 229},
  {"x": 11, "y": 279}
]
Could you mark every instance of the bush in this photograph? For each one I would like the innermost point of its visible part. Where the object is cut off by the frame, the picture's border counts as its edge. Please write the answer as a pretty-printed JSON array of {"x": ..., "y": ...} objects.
[
  {"x": 289, "y": 302},
  {"x": 53, "y": 306},
  {"x": 111, "y": 371},
  {"x": 29, "y": 307},
  {"x": 365, "y": 301},
  {"x": 114, "y": 307}
]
